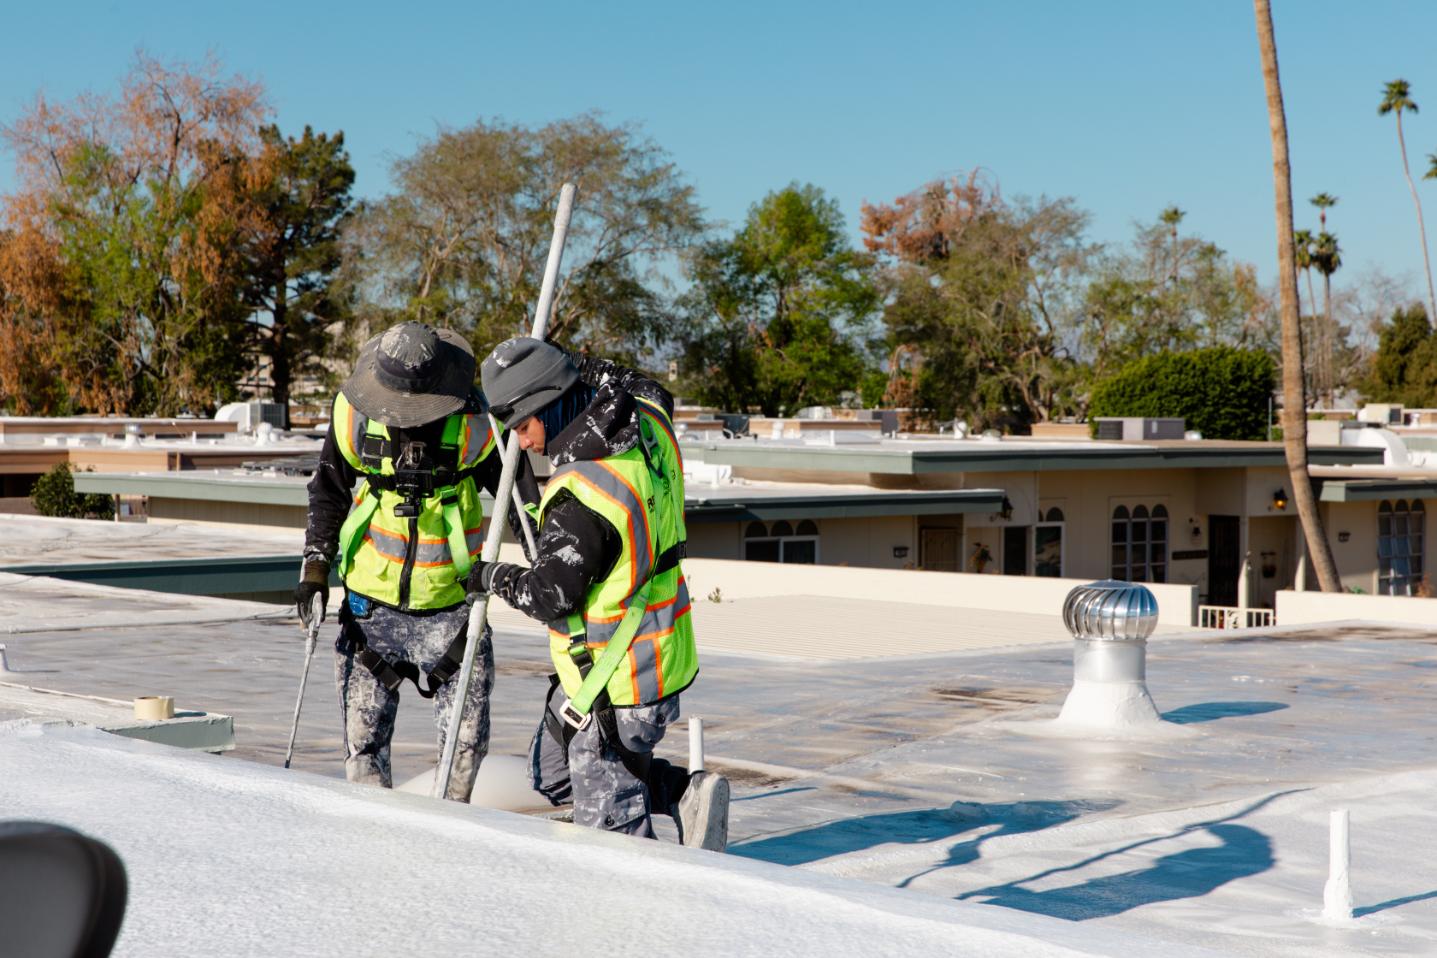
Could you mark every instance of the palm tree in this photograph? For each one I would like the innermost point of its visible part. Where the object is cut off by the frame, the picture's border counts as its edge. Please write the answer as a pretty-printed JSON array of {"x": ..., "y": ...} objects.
[
  {"x": 1172, "y": 216},
  {"x": 1396, "y": 97},
  {"x": 1323, "y": 202},
  {"x": 1294, "y": 404},
  {"x": 1302, "y": 258},
  {"x": 1327, "y": 259}
]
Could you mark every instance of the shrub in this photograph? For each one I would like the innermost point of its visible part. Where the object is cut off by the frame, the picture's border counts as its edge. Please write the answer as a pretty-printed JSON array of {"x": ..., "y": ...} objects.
[
  {"x": 1221, "y": 391},
  {"x": 54, "y": 495}
]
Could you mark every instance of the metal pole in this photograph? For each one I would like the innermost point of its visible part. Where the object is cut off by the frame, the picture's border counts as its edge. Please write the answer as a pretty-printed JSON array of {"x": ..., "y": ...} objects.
[
  {"x": 479, "y": 611},
  {"x": 519, "y": 505},
  {"x": 316, "y": 613}
]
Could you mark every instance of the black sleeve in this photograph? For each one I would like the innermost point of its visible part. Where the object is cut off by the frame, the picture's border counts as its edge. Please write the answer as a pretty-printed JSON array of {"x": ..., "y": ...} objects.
[
  {"x": 329, "y": 494},
  {"x": 576, "y": 549},
  {"x": 595, "y": 372}
]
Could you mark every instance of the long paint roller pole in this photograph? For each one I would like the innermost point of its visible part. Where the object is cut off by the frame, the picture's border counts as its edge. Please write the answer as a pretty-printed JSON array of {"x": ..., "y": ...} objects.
[
  {"x": 479, "y": 611},
  {"x": 316, "y": 612}
]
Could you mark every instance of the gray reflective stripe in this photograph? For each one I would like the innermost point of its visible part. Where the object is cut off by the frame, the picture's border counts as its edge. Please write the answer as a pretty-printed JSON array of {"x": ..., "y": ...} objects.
[
  {"x": 476, "y": 435},
  {"x": 432, "y": 553},
  {"x": 646, "y": 670},
  {"x": 475, "y": 541},
  {"x": 389, "y": 545},
  {"x": 638, "y": 534},
  {"x": 654, "y": 620},
  {"x": 358, "y": 426}
]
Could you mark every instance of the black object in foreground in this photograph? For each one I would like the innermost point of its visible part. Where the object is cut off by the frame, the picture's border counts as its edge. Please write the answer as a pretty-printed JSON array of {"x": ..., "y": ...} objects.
[{"x": 62, "y": 894}]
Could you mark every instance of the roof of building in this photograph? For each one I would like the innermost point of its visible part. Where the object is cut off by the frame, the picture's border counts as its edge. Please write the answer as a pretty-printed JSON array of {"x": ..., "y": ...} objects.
[
  {"x": 913, "y": 455},
  {"x": 707, "y": 501},
  {"x": 936, "y": 778}
]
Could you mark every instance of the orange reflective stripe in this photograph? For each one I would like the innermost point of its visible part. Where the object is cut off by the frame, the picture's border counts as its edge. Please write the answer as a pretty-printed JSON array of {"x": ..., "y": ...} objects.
[{"x": 663, "y": 422}]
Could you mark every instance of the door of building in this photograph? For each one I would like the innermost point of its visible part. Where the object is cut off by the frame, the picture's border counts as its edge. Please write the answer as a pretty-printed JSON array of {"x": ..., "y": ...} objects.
[
  {"x": 938, "y": 549},
  {"x": 1224, "y": 559}
]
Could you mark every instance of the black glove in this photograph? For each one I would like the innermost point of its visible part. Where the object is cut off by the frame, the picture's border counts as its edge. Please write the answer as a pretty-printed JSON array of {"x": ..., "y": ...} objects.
[
  {"x": 314, "y": 580},
  {"x": 480, "y": 578}
]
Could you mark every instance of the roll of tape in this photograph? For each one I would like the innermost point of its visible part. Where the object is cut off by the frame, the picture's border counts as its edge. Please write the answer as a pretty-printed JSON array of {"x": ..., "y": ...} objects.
[{"x": 154, "y": 708}]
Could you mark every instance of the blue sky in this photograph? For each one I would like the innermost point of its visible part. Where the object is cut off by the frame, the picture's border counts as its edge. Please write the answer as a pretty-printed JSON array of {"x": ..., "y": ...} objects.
[{"x": 1125, "y": 106}]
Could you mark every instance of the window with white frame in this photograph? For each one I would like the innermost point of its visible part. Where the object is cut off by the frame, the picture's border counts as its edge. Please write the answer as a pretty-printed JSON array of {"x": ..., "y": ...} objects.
[
  {"x": 1048, "y": 544},
  {"x": 1401, "y": 528},
  {"x": 781, "y": 541},
  {"x": 1140, "y": 544}
]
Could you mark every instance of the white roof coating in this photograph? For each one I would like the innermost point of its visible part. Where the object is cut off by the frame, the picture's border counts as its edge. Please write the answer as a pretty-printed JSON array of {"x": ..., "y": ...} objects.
[
  {"x": 39, "y": 540},
  {"x": 226, "y": 858},
  {"x": 935, "y": 779}
]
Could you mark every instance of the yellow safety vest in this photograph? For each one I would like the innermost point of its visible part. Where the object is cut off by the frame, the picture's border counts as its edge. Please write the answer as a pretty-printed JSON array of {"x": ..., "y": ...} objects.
[
  {"x": 641, "y": 494},
  {"x": 416, "y": 562}
]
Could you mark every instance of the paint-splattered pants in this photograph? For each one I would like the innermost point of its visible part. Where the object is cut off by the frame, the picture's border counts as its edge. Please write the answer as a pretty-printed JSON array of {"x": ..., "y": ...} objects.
[
  {"x": 605, "y": 793},
  {"x": 369, "y": 708}
]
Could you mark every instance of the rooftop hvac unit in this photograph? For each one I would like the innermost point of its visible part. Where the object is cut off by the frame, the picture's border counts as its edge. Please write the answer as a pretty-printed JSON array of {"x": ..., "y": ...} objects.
[
  {"x": 1135, "y": 428},
  {"x": 249, "y": 415},
  {"x": 1387, "y": 414}
]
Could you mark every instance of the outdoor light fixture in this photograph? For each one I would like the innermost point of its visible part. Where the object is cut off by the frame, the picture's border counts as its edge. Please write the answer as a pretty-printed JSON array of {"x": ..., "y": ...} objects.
[
  {"x": 1279, "y": 500},
  {"x": 1005, "y": 512},
  {"x": 1196, "y": 529},
  {"x": 900, "y": 552},
  {"x": 1343, "y": 536}
]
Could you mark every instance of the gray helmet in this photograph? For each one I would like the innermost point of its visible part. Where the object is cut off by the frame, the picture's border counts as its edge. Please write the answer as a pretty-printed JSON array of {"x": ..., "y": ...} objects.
[{"x": 522, "y": 376}]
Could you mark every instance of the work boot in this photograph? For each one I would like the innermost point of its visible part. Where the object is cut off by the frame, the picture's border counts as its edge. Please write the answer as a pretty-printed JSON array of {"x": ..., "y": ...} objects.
[{"x": 702, "y": 812}]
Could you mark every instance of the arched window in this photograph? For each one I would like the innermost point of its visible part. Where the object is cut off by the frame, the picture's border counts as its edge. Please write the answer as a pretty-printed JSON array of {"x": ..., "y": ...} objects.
[
  {"x": 1401, "y": 546},
  {"x": 1054, "y": 515},
  {"x": 1140, "y": 544},
  {"x": 1121, "y": 518},
  {"x": 779, "y": 543}
]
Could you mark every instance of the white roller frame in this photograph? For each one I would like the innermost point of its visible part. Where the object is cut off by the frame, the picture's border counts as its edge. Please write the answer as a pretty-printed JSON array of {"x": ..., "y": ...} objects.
[{"x": 479, "y": 611}]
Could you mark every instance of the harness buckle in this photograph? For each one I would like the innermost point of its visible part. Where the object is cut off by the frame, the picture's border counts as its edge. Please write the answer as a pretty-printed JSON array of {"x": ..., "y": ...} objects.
[{"x": 573, "y": 717}]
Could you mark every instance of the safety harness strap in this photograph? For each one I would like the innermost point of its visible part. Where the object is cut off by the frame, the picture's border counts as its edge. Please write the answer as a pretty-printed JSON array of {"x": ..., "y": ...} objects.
[
  {"x": 596, "y": 675},
  {"x": 351, "y": 534},
  {"x": 391, "y": 676}
]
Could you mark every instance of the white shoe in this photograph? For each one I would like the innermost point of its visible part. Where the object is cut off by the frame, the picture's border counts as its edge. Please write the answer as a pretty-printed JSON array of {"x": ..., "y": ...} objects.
[{"x": 703, "y": 812}]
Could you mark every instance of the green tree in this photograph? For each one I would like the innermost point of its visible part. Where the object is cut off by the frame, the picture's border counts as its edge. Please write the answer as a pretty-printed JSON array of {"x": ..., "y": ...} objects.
[
  {"x": 1167, "y": 291},
  {"x": 780, "y": 315},
  {"x": 983, "y": 301},
  {"x": 463, "y": 240},
  {"x": 1397, "y": 97},
  {"x": 301, "y": 199},
  {"x": 1327, "y": 259},
  {"x": 1220, "y": 391},
  {"x": 1404, "y": 368},
  {"x": 130, "y": 206},
  {"x": 54, "y": 495},
  {"x": 1170, "y": 218}
]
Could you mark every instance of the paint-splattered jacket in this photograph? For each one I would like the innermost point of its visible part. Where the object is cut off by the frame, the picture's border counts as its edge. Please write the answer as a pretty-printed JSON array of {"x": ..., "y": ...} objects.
[{"x": 576, "y": 547}]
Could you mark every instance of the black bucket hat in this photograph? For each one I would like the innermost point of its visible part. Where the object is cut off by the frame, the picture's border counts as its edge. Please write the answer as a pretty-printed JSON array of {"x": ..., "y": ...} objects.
[
  {"x": 411, "y": 374},
  {"x": 523, "y": 375}
]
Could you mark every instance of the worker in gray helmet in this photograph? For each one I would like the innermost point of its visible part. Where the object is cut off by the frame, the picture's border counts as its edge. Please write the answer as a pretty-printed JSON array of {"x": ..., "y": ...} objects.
[
  {"x": 608, "y": 579},
  {"x": 412, "y": 433}
]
